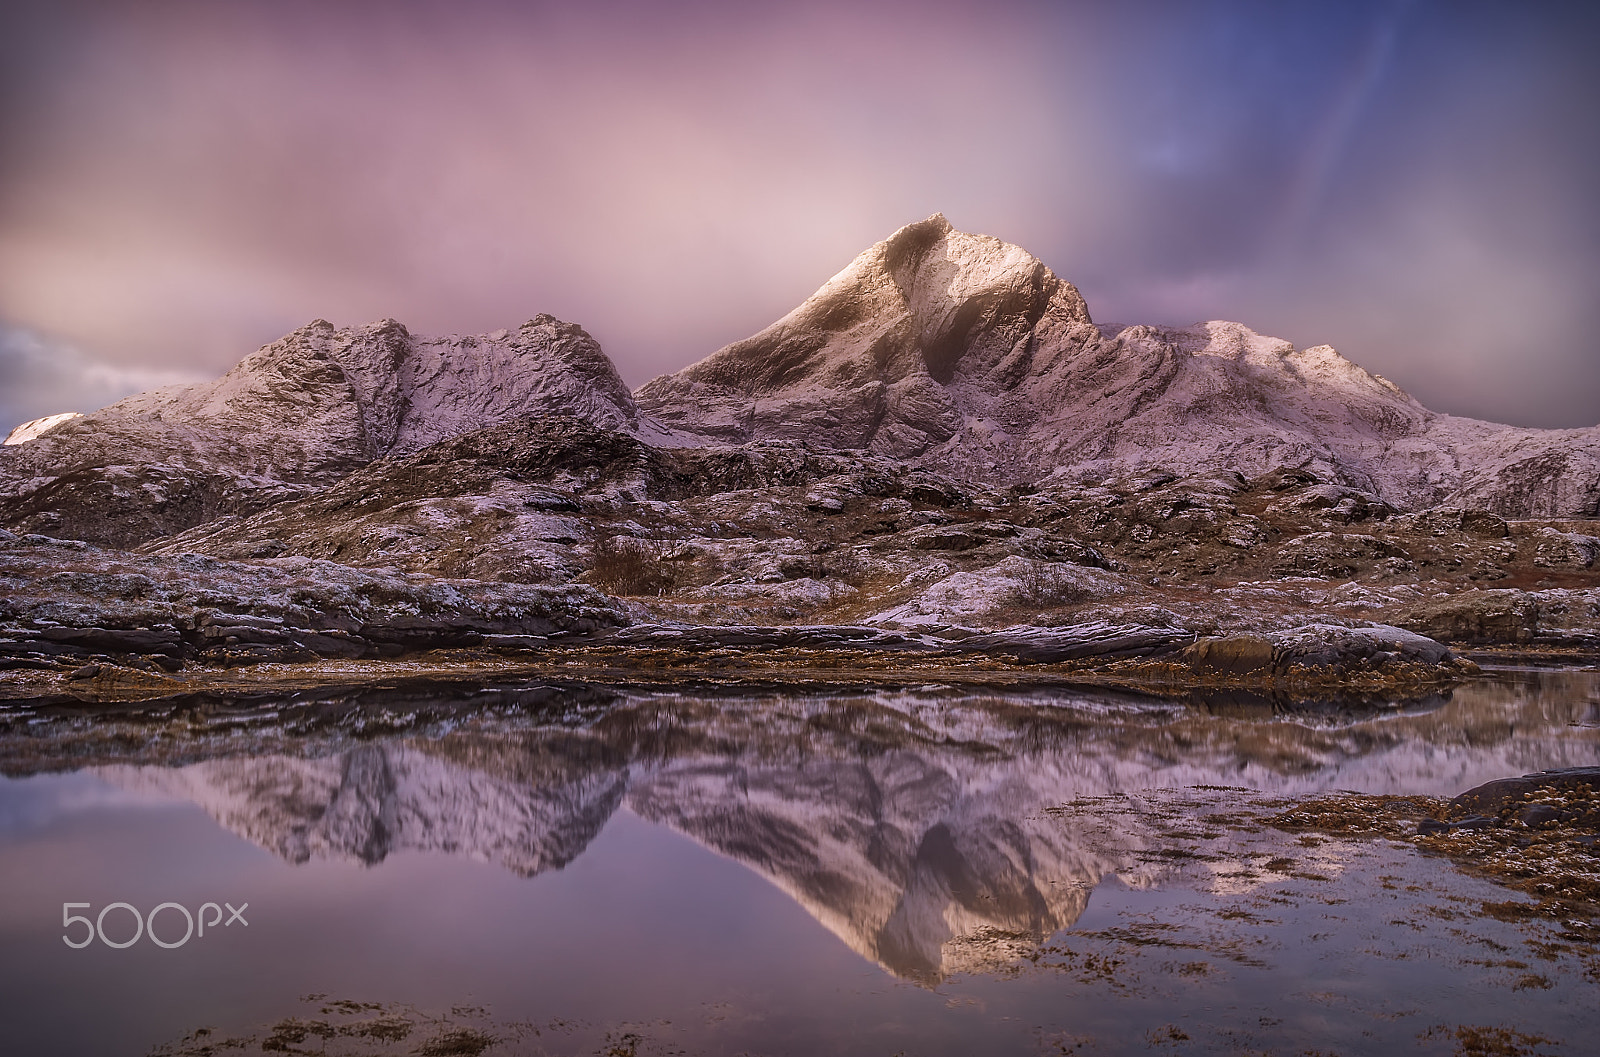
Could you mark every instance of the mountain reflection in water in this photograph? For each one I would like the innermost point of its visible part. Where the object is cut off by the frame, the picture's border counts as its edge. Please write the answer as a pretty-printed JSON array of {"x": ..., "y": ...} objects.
[{"x": 911, "y": 824}]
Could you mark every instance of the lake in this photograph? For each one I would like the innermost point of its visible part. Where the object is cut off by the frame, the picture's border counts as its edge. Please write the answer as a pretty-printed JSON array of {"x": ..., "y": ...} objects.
[{"x": 571, "y": 869}]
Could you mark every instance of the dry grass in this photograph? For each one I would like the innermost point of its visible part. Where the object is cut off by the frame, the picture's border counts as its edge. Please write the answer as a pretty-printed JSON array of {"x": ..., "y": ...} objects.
[
  {"x": 629, "y": 567},
  {"x": 1048, "y": 586}
]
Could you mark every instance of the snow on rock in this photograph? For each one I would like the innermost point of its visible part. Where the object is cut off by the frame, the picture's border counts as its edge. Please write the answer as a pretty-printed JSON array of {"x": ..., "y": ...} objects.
[
  {"x": 65, "y": 598},
  {"x": 1569, "y": 549},
  {"x": 1555, "y": 616},
  {"x": 322, "y": 401},
  {"x": 1323, "y": 645},
  {"x": 972, "y": 597},
  {"x": 38, "y": 427},
  {"x": 868, "y": 361},
  {"x": 308, "y": 409},
  {"x": 967, "y": 354},
  {"x": 805, "y": 591}
]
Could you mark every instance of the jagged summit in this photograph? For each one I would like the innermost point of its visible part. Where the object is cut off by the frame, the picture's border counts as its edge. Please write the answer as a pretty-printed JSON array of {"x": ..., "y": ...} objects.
[
  {"x": 867, "y": 360},
  {"x": 300, "y": 413},
  {"x": 322, "y": 401},
  {"x": 966, "y": 353},
  {"x": 925, "y": 300},
  {"x": 937, "y": 347}
]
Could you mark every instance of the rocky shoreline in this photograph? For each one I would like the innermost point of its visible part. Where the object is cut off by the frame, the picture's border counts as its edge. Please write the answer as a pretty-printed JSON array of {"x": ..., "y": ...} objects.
[
  {"x": 94, "y": 622},
  {"x": 1538, "y": 834}
]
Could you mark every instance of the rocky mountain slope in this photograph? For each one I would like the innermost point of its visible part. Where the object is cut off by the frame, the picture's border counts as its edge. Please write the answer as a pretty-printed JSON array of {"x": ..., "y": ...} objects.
[
  {"x": 298, "y": 414},
  {"x": 774, "y": 532},
  {"x": 949, "y": 350},
  {"x": 941, "y": 438},
  {"x": 962, "y": 352}
]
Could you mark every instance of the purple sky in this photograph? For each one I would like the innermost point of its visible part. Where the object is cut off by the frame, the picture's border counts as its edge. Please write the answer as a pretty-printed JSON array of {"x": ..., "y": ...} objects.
[{"x": 1412, "y": 182}]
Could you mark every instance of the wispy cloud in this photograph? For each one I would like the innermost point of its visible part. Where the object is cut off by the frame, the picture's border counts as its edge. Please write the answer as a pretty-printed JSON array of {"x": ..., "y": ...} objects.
[
  {"x": 181, "y": 182},
  {"x": 39, "y": 377}
]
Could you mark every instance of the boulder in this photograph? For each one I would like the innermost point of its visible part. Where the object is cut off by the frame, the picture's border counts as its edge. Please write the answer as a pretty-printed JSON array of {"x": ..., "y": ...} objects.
[
  {"x": 1491, "y": 798},
  {"x": 1492, "y": 616}
]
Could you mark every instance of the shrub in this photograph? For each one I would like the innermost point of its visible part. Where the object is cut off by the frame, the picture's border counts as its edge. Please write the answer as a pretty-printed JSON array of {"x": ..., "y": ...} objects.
[
  {"x": 629, "y": 567},
  {"x": 1043, "y": 584}
]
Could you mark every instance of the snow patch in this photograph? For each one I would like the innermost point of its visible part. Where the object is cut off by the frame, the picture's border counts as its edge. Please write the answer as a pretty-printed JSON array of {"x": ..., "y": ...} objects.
[{"x": 39, "y": 426}]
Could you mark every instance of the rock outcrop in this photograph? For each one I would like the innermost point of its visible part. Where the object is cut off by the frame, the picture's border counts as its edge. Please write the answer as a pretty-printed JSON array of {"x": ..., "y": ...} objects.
[{"x": 65, "y": 602}]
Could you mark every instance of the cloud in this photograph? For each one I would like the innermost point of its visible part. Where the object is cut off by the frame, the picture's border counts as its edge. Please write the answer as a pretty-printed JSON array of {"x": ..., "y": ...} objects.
[
  {"x": 183, "y": 182},
  {"x": 211, "y": 180},
  {"x": 40, "y": 377}
]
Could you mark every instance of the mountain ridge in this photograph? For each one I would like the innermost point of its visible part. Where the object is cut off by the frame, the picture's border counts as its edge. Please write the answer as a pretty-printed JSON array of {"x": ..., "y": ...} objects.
[
  {"x": 1038, "y": 389},
  {"x": 939, "y": 348}
]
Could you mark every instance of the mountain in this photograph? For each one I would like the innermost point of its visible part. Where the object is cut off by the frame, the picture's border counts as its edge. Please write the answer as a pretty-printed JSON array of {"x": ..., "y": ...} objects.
[
  {"x": 952, "y": 351},
  {"x": 294, "y": 416},
  {"x": 320, "y": 402},
  {"x": 965, "y": 353},
  {"x": 941, "y": 435}
]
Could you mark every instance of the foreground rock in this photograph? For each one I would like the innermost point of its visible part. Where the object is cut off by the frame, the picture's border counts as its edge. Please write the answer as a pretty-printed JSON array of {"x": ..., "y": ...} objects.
[
  {"x": 1509, "y": 800},
  {"x": 65, "y": 602},
  {"x": 1151, "y": 579},
  {"x": 784, "y": 533},
  {"x": 109, "y": 621},
  {"x": 1538, "y": 834}
]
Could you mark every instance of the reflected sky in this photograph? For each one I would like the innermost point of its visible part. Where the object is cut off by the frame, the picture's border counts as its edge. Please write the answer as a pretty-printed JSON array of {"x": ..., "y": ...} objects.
[
  {"x": 1409, "y": 180},
  {"x": 785, "y": 873}
]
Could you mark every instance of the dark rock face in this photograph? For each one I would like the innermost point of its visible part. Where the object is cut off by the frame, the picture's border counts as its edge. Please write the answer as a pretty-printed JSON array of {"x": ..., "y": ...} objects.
[
  {"x": 65, "y": 601},
  {"x": 126, "y": 505},
  {"x": 1478, "y": 617}
]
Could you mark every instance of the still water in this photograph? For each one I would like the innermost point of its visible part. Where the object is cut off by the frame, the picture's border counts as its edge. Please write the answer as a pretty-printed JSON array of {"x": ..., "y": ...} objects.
[{"x": 568, "y": 869}]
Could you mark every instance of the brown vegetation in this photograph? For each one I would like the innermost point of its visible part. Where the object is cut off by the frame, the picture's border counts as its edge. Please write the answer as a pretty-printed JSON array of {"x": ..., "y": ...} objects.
[{"x": 629, "y": 567}]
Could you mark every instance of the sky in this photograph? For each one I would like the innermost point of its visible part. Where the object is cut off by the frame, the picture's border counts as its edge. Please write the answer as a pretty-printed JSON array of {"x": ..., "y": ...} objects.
[{"x": 1411, "y": 181}]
